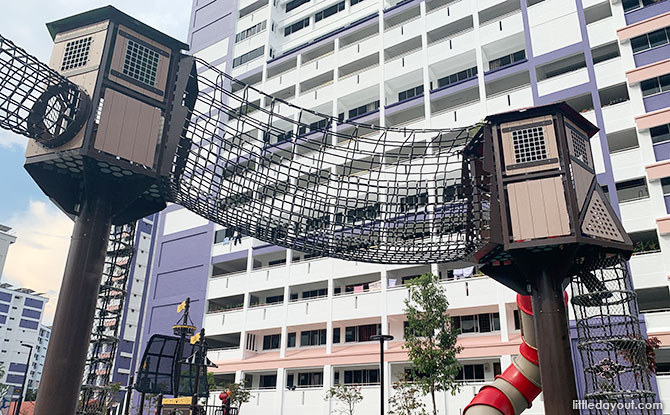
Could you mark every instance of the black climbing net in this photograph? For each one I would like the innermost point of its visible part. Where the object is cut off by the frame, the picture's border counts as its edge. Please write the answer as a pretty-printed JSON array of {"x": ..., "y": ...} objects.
[
  {"x": 323, "y": 185},
  {"x": 617, "y": 358}
]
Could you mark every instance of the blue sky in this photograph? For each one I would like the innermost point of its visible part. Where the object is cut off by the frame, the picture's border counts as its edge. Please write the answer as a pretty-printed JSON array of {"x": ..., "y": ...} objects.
[{"x": 37, "y": 258}]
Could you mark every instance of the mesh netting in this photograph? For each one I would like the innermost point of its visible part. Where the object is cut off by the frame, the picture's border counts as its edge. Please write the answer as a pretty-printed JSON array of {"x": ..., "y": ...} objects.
[
  {"x": 610, "y": 342},
  {"x": 96, "y": 392},
  {"x": 35, "y": 100},
  {"x": 321, "y": 184}
]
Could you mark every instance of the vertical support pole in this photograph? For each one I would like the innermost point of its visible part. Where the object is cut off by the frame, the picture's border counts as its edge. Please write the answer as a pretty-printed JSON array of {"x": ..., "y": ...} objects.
[
  {"x": 198, "y": 367},
  {"x": 68, "y": 346},
  {"x": 553, "y": 345},
  {"x": 129, "y": 395},
  {"x": 381, "y": 376},
  {"x": 159, "y": 405},
  {"x": 142, "y": 397},
  {"x": 180, "y": 348}
]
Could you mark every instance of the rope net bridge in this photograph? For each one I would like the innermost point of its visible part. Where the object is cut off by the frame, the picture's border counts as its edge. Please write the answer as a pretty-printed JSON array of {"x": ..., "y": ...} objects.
[
  {"x": 327, "y": 186},
  {"x": 323, "y": 185}
]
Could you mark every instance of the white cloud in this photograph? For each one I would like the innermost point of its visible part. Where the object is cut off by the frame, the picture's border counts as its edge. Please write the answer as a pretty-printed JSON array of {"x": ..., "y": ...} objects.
[
  {"x": 37, "y": 259},
  {"x": 12, "y": 141}
]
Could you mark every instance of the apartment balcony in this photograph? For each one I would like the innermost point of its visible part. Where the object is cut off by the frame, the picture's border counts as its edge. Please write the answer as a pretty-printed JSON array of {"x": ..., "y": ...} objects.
[
  {"x": 282, "y": 80},
  {"x": 461, "y": 42},
  {"x": 305, "y": 400},
  {"x": 224, "y": 322},
  {"x": 404, "y": 31},
  {"x": 603, "y": 31},
  {"x": 403, "y": 64},
  {"x": 265, "y": 317},
  {"x": 510, "y": 100},
  {"x": 657, "y": 322},
  {"x": 627, "y": 164},
  {"x": 506, "y": 26},
  {"x": 619, "y": 116},
  {"x": 305, "y": 271},
  {"x": 355, "y": 51},
  {"x": 317, "y": 95},
  {"x": 461, "y": 115},
  {"x": 361, "y": 79},
  {"x": 223, "y": 355},
  {"x": 647, "y": 270},
  {"x": 637, "y": 215},
  {"x": 318, "y": 66},
  {"x": 663, "y": 383},
  {"x": 449, "y": 14},
  {"x": 563, "y": 81},
  {"x": 357, "y": 304},
  {"x": 609, "y": 72},
  {"x": 308, "y": 311},
  {"x": 263, "y": 402}
]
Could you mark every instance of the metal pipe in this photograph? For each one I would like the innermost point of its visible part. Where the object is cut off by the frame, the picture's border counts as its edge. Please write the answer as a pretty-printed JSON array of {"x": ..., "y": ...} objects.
[
  {"x": 25, "y": 376},
  {"x": 129, "y": 394},
  {"x": 68, "y": 346}
]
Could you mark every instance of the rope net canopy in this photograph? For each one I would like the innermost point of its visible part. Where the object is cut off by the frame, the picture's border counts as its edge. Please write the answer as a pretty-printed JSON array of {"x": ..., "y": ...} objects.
[{"x": 320, "y": 184}]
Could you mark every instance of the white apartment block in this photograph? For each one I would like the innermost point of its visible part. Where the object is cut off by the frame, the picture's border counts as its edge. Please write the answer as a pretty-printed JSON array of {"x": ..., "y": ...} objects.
[{"x": 291, "y": 326}]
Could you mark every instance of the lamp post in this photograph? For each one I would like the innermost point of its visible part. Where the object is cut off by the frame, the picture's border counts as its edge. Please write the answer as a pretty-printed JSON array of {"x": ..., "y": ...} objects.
[
  {"x": 25, "y": 376},
  {"x": 381, "y": 338}
]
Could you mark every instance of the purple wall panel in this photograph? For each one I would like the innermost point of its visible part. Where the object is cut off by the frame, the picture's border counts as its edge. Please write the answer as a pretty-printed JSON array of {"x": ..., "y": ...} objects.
[
  {"x": 34, "y": 303},
  {"x": 652, "y": 55},
  {"x": 647, "y": 12},
  {"x": 211, "y": 22},
  {"x": 3, "y": 319},
  {"x": 17, "y": 367},
  {"x": 14, "y": 379},
  {"x": 28, "y": 324},
  {"x": 662, "y": 151},
  {"x": 656, "y": 102},
  {"x": 4, "y": 308},
  {"x": 6, "y": 297},
  {"x": 31, "y": 313},
  {"x": 168, "y": 284},
  {"x": 667, "y": 203}
]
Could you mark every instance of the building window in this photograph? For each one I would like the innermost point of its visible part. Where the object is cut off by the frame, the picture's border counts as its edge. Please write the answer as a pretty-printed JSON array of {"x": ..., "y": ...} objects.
[
  {"x": 410, "y": 93},
  {"x": 579, "y": 145},
  {"x": 267, "y": 382},
  {"x": 323, "y": 292},
  {"x": 361, "y": 377},
  {"x": 290, "y": 342},
  {"x": 660, "y": 134},
  {"x": 325, "y": 13},
  {"x": 354, "y": 2},
  {"x": 507, "y": 60},
  {"x": 629, "y": 5},
  {"x": 478, "y": 323},
  {"x": 457, "y": 77},
  {"x": 313, "y": 337},
  {"x": 310, "y": 379},
  {"x": 271, "y": 341},
  {"x": 632, "y": 190},
  {"x": 665, "y": 184},
  {"x": 299, "y": 25},
  {"x": 141, "y": 63},
  {"x": 471, "y": 373},
  {"x": 336, "y": 335},
  {"x": 655, "y": 86},
  {"x": 517, "y": 320},
  {"x": 294, "y": 4},
  {"x": 249, "y": 56},
  {"x": 363, "y": 109},
  {"x": 76, "y": 53},
  {"x": 253, "y": 30},
  {"x": 361, "y": 333},
  {"x": 408, "y": 203},
  {"x": 650, "y": 40},
  {"x": 645, "y": 242},
  {"x": 529, "y": 145},
  {"x": 223, "y": 236}
]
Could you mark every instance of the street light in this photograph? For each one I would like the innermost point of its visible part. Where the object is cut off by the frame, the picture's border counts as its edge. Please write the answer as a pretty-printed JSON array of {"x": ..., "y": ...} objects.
[
  {"x": 25, "y": 376},
  {"x": 381, "y": 338}
]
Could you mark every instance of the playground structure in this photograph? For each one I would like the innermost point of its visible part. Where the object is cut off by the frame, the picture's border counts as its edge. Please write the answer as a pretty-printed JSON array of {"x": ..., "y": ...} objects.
[{"x": 131, "y": 123}]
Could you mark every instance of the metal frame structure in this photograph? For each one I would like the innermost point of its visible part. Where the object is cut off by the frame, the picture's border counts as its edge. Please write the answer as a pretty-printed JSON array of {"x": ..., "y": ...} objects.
[{"x": 96, "y": 388}]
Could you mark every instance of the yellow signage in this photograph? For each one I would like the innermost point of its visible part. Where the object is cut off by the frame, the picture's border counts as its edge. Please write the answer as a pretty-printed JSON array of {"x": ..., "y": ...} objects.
[
  {"x": 185, "y": 400},
  {"x": 181, "y": 307},
  {"x": 195, "y": 338}
]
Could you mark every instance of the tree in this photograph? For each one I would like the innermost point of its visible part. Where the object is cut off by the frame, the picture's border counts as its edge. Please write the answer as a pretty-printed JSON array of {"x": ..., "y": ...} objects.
[
  {"x": 211, "y": 382},
  {"x": 31, "y": 395},
  {"x": 349, "y": 395},
  {"x": 430, "y": 338},
  {"x": 239, "y": 394},
  {"x": 3, "y": 388},
  {"x": 406, "y": 400}
]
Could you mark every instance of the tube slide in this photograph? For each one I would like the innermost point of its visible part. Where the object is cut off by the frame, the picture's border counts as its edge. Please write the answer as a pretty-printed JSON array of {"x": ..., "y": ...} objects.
[{"x": 513, "y": 391}]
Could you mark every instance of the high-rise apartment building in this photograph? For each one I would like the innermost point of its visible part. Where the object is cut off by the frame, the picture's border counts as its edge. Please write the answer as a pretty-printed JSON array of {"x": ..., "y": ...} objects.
[
  {"x": 6, "y": 239},
  {"x": 290, "y": 325},
  {"x": 21, "y": 313}
]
